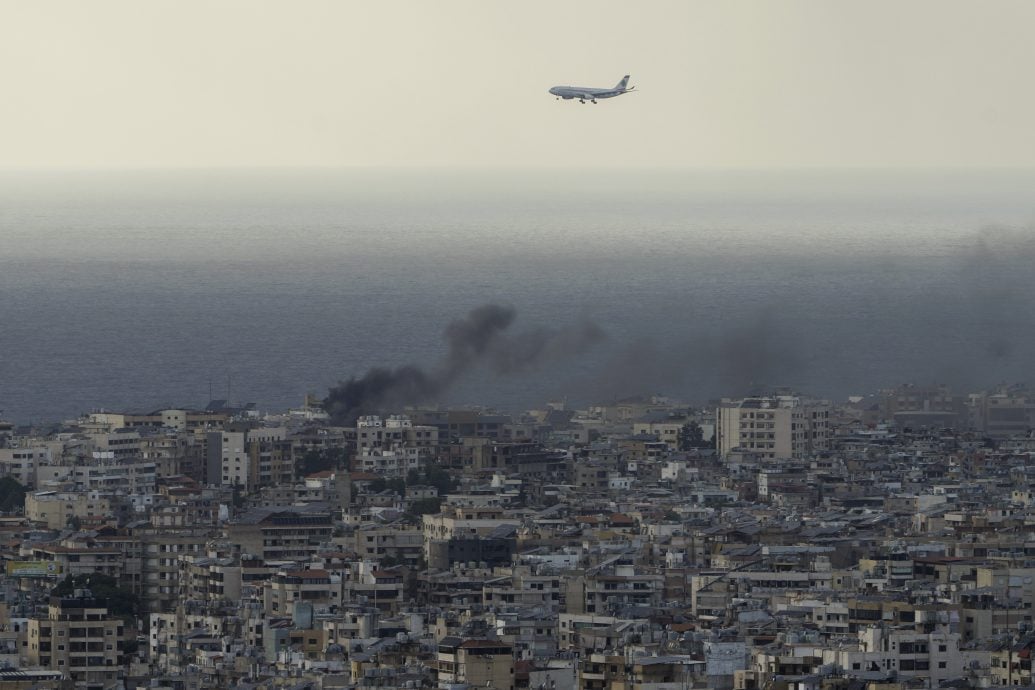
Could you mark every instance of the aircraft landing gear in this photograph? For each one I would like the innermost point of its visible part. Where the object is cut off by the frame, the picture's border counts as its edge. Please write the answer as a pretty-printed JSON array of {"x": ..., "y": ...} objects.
[{"x": 582, "y": 101}]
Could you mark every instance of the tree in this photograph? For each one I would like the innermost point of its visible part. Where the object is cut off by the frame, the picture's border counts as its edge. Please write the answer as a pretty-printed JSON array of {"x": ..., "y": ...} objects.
[
  {"x": 440, "y": 479},
  {"x": 12, "y": 495},
  {"x": 314, "y": 461},
  {"x": 691, "y": 436},
  {"x": 395, "y": 485},
  {"x": 121, "y": 602},
  {"x": 425, "y": 506}
]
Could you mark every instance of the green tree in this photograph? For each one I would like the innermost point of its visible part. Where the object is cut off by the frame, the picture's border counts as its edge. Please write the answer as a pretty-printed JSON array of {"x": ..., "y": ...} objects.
[
  {"x": 440, "y": 479},
  {"x": 12, "y": 495},
  {"x": 314, "y": 461},
  {"x": 691, "y": 436},
  {"x": 425, "y": 506},
  {"x": 397, "y": 485},
  {"x": 121, "y": 602}
]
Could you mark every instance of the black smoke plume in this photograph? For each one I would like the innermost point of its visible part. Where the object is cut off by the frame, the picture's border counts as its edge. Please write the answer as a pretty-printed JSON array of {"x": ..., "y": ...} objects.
[{"x": 480, "y": 338}]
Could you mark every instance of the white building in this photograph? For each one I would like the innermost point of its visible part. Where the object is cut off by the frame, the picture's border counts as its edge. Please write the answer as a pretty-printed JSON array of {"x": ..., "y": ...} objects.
[
  {"x": 775, "y": 427},
  {"x": 111, "y": 476},
  {"x": 392, "y": 463},
  {"x": 392, "y": 433},
  {"x": 246, "y": 458},
  {"x": 23, "y": 463}
]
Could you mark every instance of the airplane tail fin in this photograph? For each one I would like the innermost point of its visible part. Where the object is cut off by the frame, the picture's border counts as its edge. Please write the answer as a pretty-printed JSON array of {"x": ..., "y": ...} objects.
[{"x": 621, "y": 84}]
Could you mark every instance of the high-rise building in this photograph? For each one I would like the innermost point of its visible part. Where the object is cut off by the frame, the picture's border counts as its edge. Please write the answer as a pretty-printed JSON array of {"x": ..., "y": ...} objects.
[
  {"x": 80, "y": 638},
  {"x": 772, "y": 427}
]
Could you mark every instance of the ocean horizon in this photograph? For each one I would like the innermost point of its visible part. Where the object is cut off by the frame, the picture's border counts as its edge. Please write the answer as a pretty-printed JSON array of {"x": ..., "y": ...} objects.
[{"x": 136, "y": 290}]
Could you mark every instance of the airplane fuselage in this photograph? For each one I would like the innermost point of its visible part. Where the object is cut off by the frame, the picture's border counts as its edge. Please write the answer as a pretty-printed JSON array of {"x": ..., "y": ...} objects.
[
  {"x": 585, "y": 93},
  {"x": 582, "y": 92}
]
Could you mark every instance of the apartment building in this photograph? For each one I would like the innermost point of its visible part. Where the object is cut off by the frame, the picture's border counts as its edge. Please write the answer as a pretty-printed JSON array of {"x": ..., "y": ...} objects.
[
  {"x": 282, "y": 534},
  {"x": 288, "y": 588},
  {"x": 60, "y": 509},
  {"x": 23, "y": 463},
  {"x": 81, "y": 639},
  {"x": 776, "y": 427},
  {"x": 475, "y": 663},
  {"x": 250, "y": 458},
  {"x": 112, "y": 475}
]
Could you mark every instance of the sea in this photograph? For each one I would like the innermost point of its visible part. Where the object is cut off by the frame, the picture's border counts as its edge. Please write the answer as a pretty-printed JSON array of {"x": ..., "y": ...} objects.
[{"x": 134, "y": 290}]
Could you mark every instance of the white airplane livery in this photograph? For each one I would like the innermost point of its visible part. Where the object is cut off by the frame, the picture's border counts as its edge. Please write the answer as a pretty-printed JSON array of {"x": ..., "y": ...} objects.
[{"x": 588, "y": 94}]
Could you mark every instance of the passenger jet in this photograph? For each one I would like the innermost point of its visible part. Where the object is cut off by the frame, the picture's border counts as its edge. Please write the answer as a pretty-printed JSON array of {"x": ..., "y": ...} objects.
[{"x": 586, "y": 94}]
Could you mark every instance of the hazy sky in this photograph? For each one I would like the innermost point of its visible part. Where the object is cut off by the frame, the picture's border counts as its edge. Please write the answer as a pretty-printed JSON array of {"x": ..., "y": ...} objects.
[{"x": 464, "y": 82}]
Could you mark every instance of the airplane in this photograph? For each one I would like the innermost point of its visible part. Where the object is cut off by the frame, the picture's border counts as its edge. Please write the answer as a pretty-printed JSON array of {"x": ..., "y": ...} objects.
[{"x": 587, "y": 94}]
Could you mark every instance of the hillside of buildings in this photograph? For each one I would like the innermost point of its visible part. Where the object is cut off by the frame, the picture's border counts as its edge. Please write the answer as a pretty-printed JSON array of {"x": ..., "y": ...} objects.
[{"x": 775, "y": 542}]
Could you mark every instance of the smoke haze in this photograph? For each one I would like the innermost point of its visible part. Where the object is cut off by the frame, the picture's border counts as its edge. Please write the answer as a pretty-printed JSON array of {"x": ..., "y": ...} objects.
[
  {"x": 733, "y": 359},
  {"x": 137, "y": 291},
  {"x": 964, "y": 331},
  {"x": 478, "y": 338}
]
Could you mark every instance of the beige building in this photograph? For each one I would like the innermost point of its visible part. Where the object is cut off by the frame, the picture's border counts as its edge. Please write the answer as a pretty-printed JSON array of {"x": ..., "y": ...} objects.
[
  {"x": 371, "y": 586},
  {"x": 166, "y": 450},
  {"x": 475, "y": 663},
  {"x": 121, "y": 444},
  {"x": 81, "y": 639},
  {"x": 396, "y": 431},
  {"x": 116, "y": 476},
  {"x": 252, "y": 458},
  {"x": 80, "y": 560},
  {"x": 282, "y": 534},
  {"x": 401, "y": 543},
  {"x": 463, "y": 522},
  {"x": 59, "y": 509},
  {"x": 1003, "y": 414},
  {"x": 159, "y": 562},
  {"x": 181, "y": 420},
  {"x": 775, "y": 427},
  {"x": 619, "y": 672},
  {"x": 667, "y": 431},
  {"x": 23, "y": 463},
  {"x": 288, "y": 588}
]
